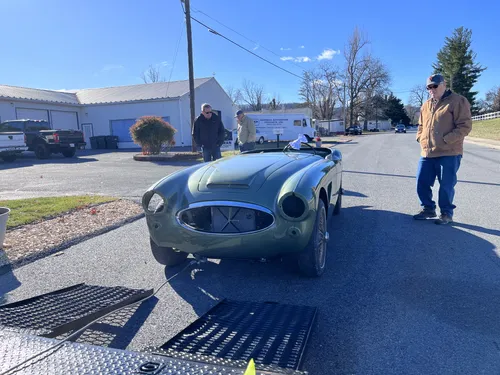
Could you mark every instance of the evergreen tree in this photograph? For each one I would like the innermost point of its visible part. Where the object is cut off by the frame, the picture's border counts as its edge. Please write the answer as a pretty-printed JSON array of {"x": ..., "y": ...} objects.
[
  {"x": 395, "y": 110},
  {"x": 456, "y": 62}
]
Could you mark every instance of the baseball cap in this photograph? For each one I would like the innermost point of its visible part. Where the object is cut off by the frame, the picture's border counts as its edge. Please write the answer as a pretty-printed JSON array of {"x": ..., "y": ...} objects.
[
  {"x": 238, "y": 113},
  {"x": 435, "y": 79}
]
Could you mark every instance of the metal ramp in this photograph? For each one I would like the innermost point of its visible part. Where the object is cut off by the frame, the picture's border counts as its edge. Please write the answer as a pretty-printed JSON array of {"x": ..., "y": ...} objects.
[
  {"x": 274, "y": 335},
  {"x": 64, "y": 310},
  {"x": 222, "y": 341}
]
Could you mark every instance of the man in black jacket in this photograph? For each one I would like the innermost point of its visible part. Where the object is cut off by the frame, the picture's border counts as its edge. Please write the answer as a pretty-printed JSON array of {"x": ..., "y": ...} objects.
[{"x": 209, "y": 133}]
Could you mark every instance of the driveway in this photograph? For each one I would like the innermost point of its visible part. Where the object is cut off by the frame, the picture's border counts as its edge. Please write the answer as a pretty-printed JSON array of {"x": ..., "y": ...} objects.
[
  {"x": 92, "y": 172},
  {"x": 398, "y": 296}
]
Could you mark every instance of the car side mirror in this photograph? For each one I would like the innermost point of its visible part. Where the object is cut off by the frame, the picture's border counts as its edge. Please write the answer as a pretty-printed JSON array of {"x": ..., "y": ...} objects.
[{"x": 336, "y": 156}]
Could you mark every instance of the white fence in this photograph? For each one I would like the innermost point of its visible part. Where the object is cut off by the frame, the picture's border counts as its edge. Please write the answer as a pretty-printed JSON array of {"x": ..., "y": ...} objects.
[{"x": 487, "y": 116}]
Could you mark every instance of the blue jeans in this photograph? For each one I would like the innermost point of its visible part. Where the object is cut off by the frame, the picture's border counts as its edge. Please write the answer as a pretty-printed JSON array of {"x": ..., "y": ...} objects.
[
  {"x": 445, "y": 168},
  {"x": 210, "y": 154}
]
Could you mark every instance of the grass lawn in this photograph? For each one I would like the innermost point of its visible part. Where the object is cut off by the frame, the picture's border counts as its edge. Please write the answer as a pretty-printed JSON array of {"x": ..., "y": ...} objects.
[
  {"x": 489, "y": 129},
  {"x": 26, "y": 211}
]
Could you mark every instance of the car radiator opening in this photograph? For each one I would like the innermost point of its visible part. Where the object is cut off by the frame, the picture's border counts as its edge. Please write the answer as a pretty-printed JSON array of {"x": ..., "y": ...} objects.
[{"x": 226, "y": 219}]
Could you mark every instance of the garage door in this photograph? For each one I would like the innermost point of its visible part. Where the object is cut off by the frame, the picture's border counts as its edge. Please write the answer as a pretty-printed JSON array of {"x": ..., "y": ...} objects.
[
  {"x": 32, "y": 114},
  {"x": 64, "y": 120},
  {"x": 121, "y": 128}
]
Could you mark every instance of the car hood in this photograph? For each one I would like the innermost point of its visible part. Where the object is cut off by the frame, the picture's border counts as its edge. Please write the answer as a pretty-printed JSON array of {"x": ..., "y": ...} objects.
[{"x": 244, "y": 172}]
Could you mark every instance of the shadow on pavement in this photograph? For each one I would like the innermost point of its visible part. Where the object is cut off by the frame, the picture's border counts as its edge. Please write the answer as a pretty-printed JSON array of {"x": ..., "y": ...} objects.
[
  {"x": 374, "y": 279},
  {"x": 8, "y": 281},
  {"x": 414, "y": 177}
]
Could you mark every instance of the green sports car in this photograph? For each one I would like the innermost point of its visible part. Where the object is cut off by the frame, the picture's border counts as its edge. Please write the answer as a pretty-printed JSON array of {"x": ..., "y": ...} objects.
[{"x": 255, "y": 205}]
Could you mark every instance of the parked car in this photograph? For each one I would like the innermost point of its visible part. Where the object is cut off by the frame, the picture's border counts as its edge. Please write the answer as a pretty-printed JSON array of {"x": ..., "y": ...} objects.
[
  {"x": 400, "y": 128},
  {"x": 354, "y": 130},
  {"x": 11, "y": 144},
  {"x": 44, "y": 141},
  {"x": 258, "y": 204}
]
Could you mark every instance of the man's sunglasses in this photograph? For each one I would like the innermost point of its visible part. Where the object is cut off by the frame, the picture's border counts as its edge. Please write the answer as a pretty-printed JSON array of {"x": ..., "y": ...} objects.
[{"x": 432, "y": 87}]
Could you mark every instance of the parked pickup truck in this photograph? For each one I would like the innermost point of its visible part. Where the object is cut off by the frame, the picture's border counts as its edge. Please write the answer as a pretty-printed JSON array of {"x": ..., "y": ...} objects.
[
  {"x": 11, "y": 144},
  {"x": 43, "y": 140}
]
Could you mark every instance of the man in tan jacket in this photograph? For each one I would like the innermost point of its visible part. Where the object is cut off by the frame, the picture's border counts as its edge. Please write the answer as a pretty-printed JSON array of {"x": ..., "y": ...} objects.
[
  {"x": 445, "y": 120},
  {"x": 246, "y": 131}
]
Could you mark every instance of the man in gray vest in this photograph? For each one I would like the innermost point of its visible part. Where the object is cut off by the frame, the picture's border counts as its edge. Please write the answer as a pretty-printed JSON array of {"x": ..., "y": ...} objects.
[{"x": 246, "y": 131}]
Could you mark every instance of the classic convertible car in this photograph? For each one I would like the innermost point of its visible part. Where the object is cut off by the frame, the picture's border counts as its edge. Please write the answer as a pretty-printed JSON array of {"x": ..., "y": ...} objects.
[{"x": 258, "y": 204}]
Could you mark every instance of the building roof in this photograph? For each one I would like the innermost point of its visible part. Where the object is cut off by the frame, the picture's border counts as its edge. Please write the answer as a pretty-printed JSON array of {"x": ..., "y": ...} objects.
[
  {"x": 117, "y": 94},
  {"x": 13, "y": 92}
]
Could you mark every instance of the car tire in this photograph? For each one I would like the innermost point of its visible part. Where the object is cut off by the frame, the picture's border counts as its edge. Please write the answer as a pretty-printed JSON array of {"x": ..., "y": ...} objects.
[
  {"x": 9, "y": 158},
  {"x": 338, "y": 204},
  {"x": 42, "y": 151},
  {"x": 261, "y": 140},
  {"x": 69, "y": 153},
  {"x": 167, "y": 256},
  {"x": 312, "y": 261}
]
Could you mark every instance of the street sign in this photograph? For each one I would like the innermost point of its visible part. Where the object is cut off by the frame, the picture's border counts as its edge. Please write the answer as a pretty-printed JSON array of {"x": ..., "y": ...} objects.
[{"x": 278, "y": 131}]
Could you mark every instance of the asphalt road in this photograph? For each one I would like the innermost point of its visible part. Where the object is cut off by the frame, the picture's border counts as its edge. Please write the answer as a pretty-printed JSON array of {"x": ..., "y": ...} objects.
[
  {"x": 92, "y": 172},
  {"x": 398, "y": 296}
]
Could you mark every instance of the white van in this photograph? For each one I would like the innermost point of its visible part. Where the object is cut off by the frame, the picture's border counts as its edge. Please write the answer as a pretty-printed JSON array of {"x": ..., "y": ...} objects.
[{"x": 290, "y": 124}]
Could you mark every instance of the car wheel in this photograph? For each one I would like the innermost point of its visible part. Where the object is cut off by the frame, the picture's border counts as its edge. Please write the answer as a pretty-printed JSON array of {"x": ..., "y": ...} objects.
[
  {"x": 261, "y": 140},
  {"x": 312, "y": 260},
  {"x": 167, "y": 255},
  {"x": 9, "y": 158},
  {"x": 338, "y": 204},
  {"x": 69, "y": 153},
  {"x": 42, "y": 151}
]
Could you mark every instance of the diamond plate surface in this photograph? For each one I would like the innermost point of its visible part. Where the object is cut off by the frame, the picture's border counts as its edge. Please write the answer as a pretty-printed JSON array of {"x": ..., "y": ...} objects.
[
  {"x": 63, "y": 310},
  {"x": 75, "y": 359},
  {"x": 270, "y": 333}
]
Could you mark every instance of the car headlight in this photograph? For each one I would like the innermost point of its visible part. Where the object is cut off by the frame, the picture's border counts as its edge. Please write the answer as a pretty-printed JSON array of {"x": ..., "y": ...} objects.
[
  {"x": 293, "y": 206},
  {"x": 153, "y": 202}
]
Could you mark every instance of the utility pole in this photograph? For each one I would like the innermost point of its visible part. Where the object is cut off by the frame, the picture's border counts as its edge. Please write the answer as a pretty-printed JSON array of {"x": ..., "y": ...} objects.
[{"x": 191, "y": 74}]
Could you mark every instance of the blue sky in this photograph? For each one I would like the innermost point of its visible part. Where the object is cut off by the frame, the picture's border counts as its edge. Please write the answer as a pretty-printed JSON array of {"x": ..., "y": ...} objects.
[{"x": 57, "y": 44}]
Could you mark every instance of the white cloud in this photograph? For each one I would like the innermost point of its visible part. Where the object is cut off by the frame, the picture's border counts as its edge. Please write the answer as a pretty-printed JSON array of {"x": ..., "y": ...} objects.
[
  {"x": 285, "y": 49},
  {"x": 164, "y": 63},
  {"x": 256, "y": 47},
  {"x": 110, "y": 67},
  {"x": 302, "y": 47},
  {"x": 328, "y": 54},
  {"x": 296, "y": 59}
]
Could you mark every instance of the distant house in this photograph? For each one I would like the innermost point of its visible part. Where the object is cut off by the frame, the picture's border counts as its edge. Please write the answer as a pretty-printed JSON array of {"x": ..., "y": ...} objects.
[{"x": 113, "y": 110}]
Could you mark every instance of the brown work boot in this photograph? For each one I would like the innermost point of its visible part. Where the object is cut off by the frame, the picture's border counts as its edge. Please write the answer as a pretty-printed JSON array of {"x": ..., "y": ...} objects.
[
  {"x": 443, "y": 219},
  {"x": 425, "y": 214}
]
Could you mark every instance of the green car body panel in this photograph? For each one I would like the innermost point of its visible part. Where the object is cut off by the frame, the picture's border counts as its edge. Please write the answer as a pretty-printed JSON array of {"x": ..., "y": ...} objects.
[{"x": 259, "y": 180}]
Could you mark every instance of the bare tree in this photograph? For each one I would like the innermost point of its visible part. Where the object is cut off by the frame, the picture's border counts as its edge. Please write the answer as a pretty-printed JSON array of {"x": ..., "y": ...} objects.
[
  {"x": 253, "y": 95},
  {"x": 412, "y": 112},
  {"x": 357, "y": 72},
  {"x": 377, "y": 81},
  {"x": 275, "y": 102},
  {"x": 418, "y": 95},
  {"x": 493, "y": 100},
  {"x": 234, "y": 94},
  {"x": 151, "y": 75},
  {"x": 319, "y": 90}
]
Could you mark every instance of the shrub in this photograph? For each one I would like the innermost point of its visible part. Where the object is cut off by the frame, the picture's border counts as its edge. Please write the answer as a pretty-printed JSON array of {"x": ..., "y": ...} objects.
[{"x": 153, "y": 133}]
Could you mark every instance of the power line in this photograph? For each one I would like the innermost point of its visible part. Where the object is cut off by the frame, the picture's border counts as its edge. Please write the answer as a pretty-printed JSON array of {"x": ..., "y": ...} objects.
[
  {"x": 260, "y": 57},
  {"x": 250, "y": 40}
]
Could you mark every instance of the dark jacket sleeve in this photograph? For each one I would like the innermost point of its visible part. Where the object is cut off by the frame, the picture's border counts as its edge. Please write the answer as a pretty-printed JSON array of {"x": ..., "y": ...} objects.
[
  {"x": 196, "y": 132},
  {"x": 221, "y": 134}
]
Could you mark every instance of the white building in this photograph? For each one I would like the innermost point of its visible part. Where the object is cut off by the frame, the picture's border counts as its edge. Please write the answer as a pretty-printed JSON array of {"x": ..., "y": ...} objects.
[{"x": 113, "y": 110}]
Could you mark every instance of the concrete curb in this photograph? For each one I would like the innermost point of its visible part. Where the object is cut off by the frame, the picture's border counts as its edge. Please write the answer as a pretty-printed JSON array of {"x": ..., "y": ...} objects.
[
  {"x": 74, "y": 241},
  {"x": 177, "y": 156},
  {"x": 483, "y": 142}
]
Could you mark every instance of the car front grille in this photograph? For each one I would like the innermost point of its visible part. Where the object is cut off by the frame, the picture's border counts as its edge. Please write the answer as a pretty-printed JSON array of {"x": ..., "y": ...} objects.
[{"x": 225, "y": 217}]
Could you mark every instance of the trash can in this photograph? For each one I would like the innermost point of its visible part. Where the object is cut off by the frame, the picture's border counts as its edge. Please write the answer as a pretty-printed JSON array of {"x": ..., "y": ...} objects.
[
  {"x": 111, "y": 142},
  {"x": 101, "y": 142},
  {"x": 4, "y": 215},
  {"x": 93, "y": 143}
]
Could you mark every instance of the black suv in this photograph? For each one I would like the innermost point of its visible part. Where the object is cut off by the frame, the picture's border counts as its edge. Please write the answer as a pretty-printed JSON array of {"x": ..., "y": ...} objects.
[
  {"x": 44, "y": 140},
  {"x": 353, "y": 129}
]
